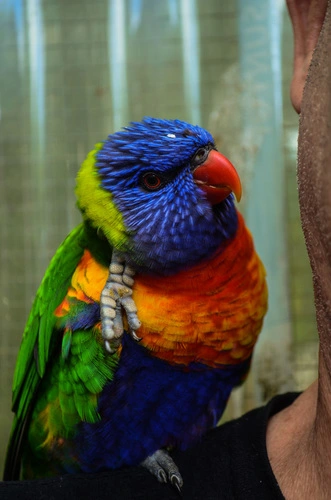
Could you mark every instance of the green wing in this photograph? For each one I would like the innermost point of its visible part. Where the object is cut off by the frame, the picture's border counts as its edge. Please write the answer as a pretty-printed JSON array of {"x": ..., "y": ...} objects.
[{"x": 37, "y": 343}]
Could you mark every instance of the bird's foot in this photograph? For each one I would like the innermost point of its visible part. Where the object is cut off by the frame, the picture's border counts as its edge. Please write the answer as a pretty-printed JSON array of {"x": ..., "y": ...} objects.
[
  {"x": 115, "y": 297},
  {"x": 162, "y": 466}
]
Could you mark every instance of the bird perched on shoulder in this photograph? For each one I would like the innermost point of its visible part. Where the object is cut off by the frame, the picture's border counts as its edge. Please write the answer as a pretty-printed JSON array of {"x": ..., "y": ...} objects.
[{"x": 147, "y": 315}]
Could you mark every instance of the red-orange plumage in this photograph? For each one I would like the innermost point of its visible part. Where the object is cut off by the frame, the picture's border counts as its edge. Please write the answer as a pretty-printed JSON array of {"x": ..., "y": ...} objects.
[
  {"x": 86, "y": 284},
  {"x": 198, "y": 327},
  {"x": 211, "y": 313}
]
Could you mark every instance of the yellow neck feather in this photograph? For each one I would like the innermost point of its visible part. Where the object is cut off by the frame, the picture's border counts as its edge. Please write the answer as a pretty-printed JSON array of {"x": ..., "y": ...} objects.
[{"x": 97, "y": 204}]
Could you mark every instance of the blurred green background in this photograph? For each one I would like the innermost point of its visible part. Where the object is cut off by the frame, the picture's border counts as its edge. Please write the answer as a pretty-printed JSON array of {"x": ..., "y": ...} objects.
[{"x": 73, "y": 71}]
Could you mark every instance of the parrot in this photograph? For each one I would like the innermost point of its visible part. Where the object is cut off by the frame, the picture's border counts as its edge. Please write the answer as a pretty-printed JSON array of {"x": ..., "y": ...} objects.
[{"x": 147, "y": 315}]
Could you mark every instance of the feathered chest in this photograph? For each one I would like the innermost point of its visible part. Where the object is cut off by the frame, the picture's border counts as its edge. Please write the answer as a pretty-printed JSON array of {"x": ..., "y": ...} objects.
[{"x": 211, "y": 313}]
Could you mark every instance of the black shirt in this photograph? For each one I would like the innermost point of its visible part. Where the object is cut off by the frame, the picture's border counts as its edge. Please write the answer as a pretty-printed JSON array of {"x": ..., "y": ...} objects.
[{"x": 230, "y": 462}]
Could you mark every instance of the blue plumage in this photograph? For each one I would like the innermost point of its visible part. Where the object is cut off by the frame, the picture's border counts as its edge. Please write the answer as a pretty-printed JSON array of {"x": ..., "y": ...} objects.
[
  {"x": 174, "y": 227},
  {"x": 81, "y": 315},
  {"x": 156, "y": 200},
  {"x": 184, "y": 403}
]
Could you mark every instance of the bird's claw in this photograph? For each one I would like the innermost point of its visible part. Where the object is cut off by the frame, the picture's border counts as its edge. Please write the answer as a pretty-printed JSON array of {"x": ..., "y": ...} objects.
[
  {"x": 177, "y": 482},
  {"x": 162, "y": 466},
  {"x": 116, "y": 296}
]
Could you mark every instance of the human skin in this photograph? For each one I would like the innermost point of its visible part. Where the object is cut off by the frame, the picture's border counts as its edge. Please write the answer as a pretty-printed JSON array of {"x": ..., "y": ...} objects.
[
  {"x": 299, "y": 437},
  {"x": 307, "y": 18}
]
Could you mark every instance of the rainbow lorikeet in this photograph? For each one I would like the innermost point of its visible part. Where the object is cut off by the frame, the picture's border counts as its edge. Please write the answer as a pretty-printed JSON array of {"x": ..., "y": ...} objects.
[{"x": 147, "y": 315}]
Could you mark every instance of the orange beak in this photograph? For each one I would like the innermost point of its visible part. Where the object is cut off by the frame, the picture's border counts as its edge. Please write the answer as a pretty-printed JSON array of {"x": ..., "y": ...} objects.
[{"x": 217, "y": 177}]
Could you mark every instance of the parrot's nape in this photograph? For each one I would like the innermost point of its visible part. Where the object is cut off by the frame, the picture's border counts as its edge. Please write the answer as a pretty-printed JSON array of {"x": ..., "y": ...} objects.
[{"x": 147, "y": 315}]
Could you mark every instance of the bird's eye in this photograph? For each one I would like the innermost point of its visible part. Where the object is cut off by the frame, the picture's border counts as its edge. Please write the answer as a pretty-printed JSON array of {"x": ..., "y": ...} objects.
[
  {"x": 151, "y": 181},
  {"x": 200, "y": 156}
]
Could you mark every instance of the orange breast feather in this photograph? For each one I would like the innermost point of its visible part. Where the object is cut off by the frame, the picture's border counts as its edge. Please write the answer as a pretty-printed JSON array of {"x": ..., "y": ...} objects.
[
  {"x": 211, "y": 313},
  {"x": 86, "y": 284}
]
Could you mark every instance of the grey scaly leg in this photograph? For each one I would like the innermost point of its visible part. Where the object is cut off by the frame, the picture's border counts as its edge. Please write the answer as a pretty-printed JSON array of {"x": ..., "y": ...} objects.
[
  {"x": 115, "y": 297},
  {"x": 162, "y": 466}
]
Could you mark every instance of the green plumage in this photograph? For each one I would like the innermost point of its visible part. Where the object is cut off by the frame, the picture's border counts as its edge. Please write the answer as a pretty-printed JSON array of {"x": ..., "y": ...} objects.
[
  {"x": 89, "y": 397},
  {"x": 73, "y": 380}
]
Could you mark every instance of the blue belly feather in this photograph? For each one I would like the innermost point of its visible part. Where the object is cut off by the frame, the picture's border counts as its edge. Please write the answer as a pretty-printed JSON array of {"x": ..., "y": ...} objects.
[{"x": 151, "y": 404}]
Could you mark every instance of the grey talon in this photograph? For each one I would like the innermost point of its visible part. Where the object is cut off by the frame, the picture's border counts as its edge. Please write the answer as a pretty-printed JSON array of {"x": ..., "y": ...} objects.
[
  {"x": 176, "y": 481},
  {"x": 162, "y": 466},
  {"x": 162, "y": 476},
  {"x": 135, "y": 336},
  {"x": 116, "y": 298}
]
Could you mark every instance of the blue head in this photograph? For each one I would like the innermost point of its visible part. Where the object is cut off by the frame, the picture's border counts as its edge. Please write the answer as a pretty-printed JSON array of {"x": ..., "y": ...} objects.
[{"x": 173, "y": 191}]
